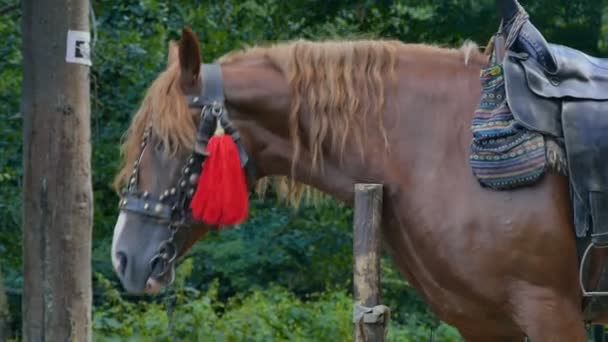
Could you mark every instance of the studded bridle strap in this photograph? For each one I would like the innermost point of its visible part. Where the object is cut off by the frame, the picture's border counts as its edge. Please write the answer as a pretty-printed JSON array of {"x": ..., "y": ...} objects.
[{"x": 149, "y": 207}]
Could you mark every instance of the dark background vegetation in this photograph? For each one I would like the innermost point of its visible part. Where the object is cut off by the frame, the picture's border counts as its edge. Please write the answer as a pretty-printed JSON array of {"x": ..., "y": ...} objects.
[{"x": 285, "y": 274}]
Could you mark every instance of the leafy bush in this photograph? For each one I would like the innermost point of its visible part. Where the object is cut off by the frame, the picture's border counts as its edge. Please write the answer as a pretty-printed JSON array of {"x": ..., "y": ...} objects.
[
  {"x": 278, "y": 245},
  {"x": 10, "y": 150},
  {"x": 272, "y": 314}
]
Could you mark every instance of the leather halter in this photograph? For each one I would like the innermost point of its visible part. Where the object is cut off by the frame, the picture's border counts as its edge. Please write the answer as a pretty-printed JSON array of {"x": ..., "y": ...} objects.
[{"x": 172, "y": 206}]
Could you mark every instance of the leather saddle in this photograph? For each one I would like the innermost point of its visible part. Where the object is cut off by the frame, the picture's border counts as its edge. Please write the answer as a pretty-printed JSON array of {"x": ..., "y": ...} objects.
[{"x": 563, "y": 93}]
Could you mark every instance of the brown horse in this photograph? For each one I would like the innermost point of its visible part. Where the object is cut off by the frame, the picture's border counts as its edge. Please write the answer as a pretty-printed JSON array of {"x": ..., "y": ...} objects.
[{"x": 496, "y": 265}]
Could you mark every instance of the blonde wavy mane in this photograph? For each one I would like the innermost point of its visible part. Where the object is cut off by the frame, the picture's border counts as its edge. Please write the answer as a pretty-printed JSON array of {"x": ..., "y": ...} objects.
[
  {"x": 341, "y": 83},
  {"x": 163, "y": 110}
]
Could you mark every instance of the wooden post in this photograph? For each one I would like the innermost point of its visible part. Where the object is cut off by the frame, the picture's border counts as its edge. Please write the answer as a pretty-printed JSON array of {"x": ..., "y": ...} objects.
[
  {"x": 57, "y": 191},
  {"x": 367, "y": 243}
]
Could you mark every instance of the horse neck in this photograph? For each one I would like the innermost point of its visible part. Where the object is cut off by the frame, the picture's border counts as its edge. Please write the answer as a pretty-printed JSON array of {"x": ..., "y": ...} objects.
[
  {"x": 259, "y": 102},
  {"x": 415, "y": 119}
]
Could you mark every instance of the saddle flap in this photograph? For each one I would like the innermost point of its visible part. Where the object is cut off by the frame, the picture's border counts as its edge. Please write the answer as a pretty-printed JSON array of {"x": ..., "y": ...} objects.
[
  {"x": 578, "y": 75},
  {"x": 533, "y": 111}
]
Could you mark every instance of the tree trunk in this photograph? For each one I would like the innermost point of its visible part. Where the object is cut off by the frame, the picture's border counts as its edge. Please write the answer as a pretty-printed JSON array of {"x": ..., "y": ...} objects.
[{"x": 57, "y": 194}]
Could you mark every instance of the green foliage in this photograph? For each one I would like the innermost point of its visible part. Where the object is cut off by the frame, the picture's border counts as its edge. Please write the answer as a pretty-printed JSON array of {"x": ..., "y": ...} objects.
[
  {"x": 242, "y": 257},
  {"x": 189, "y": 314},
  {"x": 10, "y": 149},
  {"x": 273, "y": 314}
]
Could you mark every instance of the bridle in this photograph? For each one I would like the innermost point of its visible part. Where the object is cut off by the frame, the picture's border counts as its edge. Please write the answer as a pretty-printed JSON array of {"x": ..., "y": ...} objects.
[{"x": 172, "y": 206}]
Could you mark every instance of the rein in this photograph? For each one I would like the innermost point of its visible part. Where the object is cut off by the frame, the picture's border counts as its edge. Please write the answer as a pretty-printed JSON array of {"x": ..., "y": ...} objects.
[{"x": 172, "y": 206}]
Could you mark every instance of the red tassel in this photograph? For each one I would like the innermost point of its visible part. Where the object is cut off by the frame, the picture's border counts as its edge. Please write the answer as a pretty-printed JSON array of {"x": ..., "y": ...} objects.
[{"x": 221, "y": 196}]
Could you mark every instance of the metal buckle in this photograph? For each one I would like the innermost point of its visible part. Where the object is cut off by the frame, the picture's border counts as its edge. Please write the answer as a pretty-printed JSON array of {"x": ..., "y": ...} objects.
[
  {"x": 167, "y": 252},
  {"x": 217, "y": 108}
]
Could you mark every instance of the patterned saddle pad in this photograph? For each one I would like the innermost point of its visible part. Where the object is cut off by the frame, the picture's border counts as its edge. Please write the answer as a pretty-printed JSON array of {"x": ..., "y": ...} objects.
[{"x": 504, "y": 155}]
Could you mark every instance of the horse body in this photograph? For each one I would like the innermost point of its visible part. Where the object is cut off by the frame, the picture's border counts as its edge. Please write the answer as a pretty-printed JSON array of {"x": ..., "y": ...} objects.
[
  {"x": 496, "y": 265},
  {"x": 476, "y": 255}
]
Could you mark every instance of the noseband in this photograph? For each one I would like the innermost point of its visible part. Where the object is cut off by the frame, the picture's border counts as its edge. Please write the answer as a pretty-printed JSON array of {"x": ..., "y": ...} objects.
[{"x": 172, "y": 206}]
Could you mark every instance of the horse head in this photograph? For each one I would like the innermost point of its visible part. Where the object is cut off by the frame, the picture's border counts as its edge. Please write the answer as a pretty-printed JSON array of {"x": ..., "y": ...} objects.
[{"x": 158, "y": 177}]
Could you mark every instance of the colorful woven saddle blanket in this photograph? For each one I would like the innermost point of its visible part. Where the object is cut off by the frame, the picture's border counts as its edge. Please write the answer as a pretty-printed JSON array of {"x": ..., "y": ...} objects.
[{"x": 504, "y": 155}]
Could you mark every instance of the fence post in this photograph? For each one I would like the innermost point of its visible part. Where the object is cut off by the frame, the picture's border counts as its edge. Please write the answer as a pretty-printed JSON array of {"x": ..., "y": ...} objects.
[{"x": 369, "y": 317}]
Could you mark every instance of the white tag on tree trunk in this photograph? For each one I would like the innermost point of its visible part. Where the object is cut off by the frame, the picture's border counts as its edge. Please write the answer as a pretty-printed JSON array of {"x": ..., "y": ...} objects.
[{"x": 78, "y": 47}]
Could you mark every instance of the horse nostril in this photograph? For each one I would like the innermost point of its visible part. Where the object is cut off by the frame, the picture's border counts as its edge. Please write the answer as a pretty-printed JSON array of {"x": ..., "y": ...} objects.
[
  {"x": 122, "y": 262},
  {"x": 156, "y": 265}
]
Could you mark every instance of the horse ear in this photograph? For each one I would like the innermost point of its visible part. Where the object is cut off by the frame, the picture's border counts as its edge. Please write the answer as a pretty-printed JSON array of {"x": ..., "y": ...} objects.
[
  {"x": 173, "y": 54},
  {"x": 189, "y": 58}
]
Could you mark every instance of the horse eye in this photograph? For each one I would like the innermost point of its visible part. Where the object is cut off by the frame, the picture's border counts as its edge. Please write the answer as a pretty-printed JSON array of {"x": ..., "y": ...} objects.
[{"x": 159, "y": 148}]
